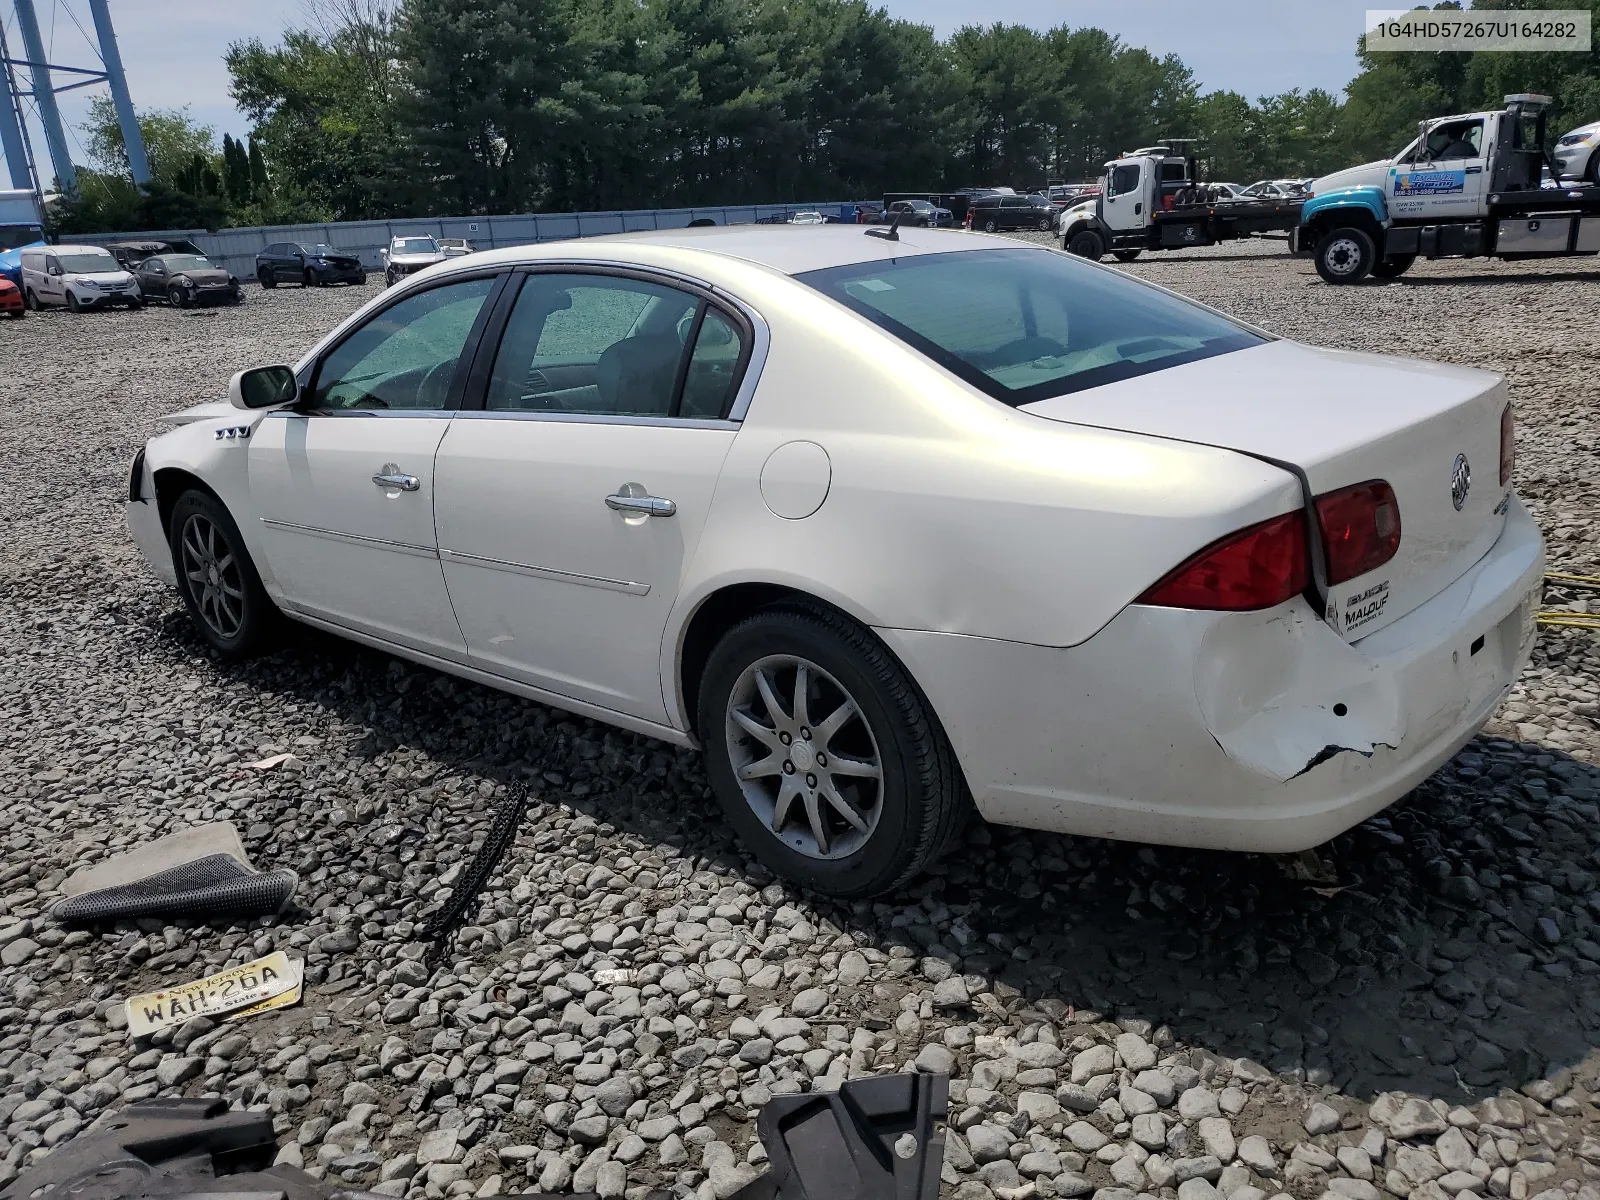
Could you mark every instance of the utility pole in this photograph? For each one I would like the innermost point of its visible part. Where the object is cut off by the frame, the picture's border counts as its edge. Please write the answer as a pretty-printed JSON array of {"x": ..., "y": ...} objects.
[
  {"x": 111, "y": 57},
  {"x": 44, "y": 95}
]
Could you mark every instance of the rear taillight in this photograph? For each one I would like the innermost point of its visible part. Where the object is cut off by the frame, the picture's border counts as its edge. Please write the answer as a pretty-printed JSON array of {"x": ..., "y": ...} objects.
[
  {"x": 1258, "y": 567},
  {"x": 1360, "y": 528},
  {"x": 1508, "y": 445}
]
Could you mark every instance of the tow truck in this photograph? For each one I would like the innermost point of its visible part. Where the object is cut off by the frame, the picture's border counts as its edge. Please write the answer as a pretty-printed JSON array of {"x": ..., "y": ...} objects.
[
  {"x": 1468, "y": 186},
  {"x": 1138, "y": 209}
]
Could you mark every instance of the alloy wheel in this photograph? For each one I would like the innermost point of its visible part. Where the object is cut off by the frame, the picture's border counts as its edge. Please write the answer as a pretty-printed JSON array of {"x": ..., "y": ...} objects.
[
  {"x": 805, "y": 756},
  {"x": 212, "y": 570}
]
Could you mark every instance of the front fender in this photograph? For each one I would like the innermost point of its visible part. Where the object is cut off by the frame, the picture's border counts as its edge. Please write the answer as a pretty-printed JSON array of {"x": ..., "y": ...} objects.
[{"x": 1328, "y": 206}]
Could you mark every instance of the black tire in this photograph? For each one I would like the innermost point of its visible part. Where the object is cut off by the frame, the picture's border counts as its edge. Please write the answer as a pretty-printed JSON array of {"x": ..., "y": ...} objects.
[
  {"x": 1593, "y": 172},
  {"x": 1126, "y": 255},
  {"x": 388, "y": 279},
  {"x": 30, "y": 302},
  {"x": 16, "y": 314},
  {"x": 257, "y": 617},
  {"x": 1345, "y": 255},
  {"x": 1044, "y": 224},
  {"x": 361, "y": 279},
  {"x": 1394, "y": 266},
  {"x": 921, "y": 796},
  {"x": 1086, "y": 243},
  {"x": 308, "y": 280},
  {"x": 72, "y": 302},
  {"x": 990, "y": 226},
  {"x": 176, "y": 297},
  {"x": 267, "y": 281}
]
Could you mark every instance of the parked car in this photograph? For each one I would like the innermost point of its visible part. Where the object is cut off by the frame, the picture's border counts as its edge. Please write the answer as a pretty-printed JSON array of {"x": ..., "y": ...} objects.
[
  {"x": 77, "y": 277},
  {"x": 1227, "y": 191},
  {"x": 1575, "y": 154},
  {"x": 407, "y": 255},
  {"x": 455, "y": 247},
  {"x": 131, "y": 254},
  {"x": 187, "y": 281},
  {"x": 11, "y": 299},
  {"x": 915, "y": 212},
  {"x": 888, "y": 528},
  {"x": 995, "y": 213},
  {"x": 808, "y": 218},
  {"x": 1274, "y": 189},
  {"x": 310, "y": 264}
]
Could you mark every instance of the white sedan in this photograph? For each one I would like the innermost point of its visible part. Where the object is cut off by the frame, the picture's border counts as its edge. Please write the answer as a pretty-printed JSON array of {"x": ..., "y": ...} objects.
[{"x": 891, "y": 526}]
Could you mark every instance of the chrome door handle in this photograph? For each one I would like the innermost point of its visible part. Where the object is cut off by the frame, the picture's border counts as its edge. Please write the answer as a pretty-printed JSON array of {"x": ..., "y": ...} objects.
[
  {"x": 393, "y": 477},
  {"x": 632, "y": 498}
]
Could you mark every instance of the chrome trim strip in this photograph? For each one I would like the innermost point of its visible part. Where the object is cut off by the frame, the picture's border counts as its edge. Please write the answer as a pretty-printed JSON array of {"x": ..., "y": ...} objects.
[
  {"x": 565, "y": 418},
  {"x": 758, "y": 355},
  {"x": 354, "y": 538},
  {"x": 495, "y": 564},
  {"x": 433, "y": 413}
]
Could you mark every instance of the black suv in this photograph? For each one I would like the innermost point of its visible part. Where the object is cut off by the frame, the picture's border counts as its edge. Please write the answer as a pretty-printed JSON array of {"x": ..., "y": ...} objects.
[
  {"x": 308, "y": 264},
  {"x": 994, "y": 213}
]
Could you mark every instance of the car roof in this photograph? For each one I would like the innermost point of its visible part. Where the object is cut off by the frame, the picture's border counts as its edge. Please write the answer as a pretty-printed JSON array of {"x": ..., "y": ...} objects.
[
  {"x": 788, "y": 249},
  {"x": 70, "y": 249}
]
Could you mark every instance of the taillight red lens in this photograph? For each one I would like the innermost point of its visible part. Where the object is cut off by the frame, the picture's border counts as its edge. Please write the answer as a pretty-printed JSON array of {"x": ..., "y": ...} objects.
[
  {"x": 1258, "y": 567},
  {"x": 1508, "y": 445},
  {"x": 1360, "y": 528}
]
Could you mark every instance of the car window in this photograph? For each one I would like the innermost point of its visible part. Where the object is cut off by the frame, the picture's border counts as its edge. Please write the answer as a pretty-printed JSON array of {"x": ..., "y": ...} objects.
[
  {"x": 592, "y": 344},
  {"x": 1456, "y": 139},
  {"x": 405, "y": 357},
  {"x": 1124, "y": 179},
  {"x": 713, "y": 368},
  {"x": 1024, "y": 325}
]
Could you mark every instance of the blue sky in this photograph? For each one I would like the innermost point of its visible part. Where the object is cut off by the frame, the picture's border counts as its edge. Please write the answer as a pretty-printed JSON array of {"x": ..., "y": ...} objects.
[{"x": 172, "y": 49}]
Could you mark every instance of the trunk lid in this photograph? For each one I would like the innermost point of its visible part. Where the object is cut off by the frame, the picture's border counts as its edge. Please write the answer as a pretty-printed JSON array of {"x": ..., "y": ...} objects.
[{"x": 1342, "y": 418}]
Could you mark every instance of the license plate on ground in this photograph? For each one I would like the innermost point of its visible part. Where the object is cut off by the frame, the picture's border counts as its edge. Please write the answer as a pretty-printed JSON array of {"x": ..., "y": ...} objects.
[{"x": 236, "y": 987}]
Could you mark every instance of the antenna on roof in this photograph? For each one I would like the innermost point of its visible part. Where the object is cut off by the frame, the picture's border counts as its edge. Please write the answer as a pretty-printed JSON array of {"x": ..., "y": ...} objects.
[{"x": 892, "y": 234}]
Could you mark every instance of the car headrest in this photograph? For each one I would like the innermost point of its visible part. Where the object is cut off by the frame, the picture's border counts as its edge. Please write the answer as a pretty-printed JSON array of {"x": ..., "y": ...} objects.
[{"x": 637, "y": 374}]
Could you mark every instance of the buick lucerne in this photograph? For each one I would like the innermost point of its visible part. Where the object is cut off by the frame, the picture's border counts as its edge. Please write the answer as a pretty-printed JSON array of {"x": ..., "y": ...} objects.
[{"x": 893, "y": 527}]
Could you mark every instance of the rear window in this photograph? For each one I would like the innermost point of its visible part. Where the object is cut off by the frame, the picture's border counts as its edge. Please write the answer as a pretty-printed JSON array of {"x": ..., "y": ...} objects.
[{"x": 1025, "y": 325}]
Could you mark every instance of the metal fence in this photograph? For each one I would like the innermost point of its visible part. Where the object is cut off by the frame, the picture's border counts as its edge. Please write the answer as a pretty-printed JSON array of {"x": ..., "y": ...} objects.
[{"x": 236, "y": 248}]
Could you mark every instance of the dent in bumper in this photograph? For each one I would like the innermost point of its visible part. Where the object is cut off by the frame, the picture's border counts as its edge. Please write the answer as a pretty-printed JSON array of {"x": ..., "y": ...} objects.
[{"x": 1215, "y": 730}]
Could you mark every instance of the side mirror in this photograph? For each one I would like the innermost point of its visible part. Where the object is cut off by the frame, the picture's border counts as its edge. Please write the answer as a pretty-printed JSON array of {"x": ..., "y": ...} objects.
[{"x": 263, "y": 387}]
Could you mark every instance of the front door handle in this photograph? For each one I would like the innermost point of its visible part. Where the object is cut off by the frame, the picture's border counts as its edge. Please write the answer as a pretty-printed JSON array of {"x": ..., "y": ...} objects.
[
  {"x": 632, "y": 498},
  {"x": 391, "y": 476}
]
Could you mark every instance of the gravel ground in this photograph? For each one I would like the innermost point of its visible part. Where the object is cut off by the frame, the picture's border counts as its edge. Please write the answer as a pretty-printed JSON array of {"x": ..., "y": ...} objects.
[{"x": 1412, "y": 1010}]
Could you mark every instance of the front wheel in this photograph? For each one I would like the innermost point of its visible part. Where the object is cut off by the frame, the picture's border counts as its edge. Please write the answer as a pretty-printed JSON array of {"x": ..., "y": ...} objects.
[
  {"x": 266, "y": 279},
  {"x": 72, "y": 303},
  {"x": 1394, "y": 266},
  {"x": 177, "y": 298},
  {"x": 1126, "y": 255},
  {"x": 308, "y": 280},
  {"x": 219, "y": 583},
  {"x": 1345, "y": 255},
  {"x": 30, "y": 302},
  {"x": 1594, "y": 166},
  {"x": 1086, "y": 243},
  {"x": 827, "y": 760}
]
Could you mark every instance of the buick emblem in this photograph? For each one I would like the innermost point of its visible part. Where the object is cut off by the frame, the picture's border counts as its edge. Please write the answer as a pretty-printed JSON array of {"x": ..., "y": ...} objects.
[{"x": 1460, "y": 481}]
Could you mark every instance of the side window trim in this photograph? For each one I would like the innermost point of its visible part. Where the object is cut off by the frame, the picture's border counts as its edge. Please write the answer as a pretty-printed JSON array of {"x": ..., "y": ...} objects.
[
  {"x": 464, "y": 364},
  {"x": 751, "y": 329}
]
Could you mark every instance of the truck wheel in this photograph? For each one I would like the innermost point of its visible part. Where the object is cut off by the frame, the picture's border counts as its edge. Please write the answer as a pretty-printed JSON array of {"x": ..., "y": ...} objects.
[
  {"x": 1086, "y": 244},
  {"x": 1394, "y": 266},
  {"x": 1126, "y": 255},
  {"x": 1345, "y": 255}
]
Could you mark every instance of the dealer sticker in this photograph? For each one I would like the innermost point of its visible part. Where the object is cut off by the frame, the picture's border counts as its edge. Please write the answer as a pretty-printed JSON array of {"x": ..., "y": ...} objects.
[
  {"x": 1364, "y": 607},
  {"x": 236, "y": 987}
]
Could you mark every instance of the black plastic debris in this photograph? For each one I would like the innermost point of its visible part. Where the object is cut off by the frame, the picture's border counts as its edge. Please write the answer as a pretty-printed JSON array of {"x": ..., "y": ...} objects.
[
  {"x": 216, "y": 886},
  {"x": 875, "y": 1139}
]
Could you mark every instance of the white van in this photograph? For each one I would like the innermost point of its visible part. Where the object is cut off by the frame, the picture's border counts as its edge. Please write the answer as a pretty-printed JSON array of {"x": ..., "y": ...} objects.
[{"x": 78, "y": 277}]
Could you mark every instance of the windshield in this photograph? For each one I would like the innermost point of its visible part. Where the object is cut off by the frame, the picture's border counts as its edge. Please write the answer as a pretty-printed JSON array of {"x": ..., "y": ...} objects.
[
  {"x": 12, "y": 236},
  {"x": 1025, "y": 325},
  {"x": 87, "y": 262},
  {"x": 417, "y": 245},
  {"x": 189, "y": 262},
  {"x": 316, "y": 250}
]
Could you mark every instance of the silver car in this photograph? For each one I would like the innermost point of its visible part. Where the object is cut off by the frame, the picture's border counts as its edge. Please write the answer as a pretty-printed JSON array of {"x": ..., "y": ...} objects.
[
  {"x": 410, "y": 254},
  {"x": 1575, "y": 153}
]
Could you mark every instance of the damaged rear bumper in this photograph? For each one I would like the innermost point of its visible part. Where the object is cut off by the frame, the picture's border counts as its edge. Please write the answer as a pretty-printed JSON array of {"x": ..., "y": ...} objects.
[{"x": 1235, "y": 731}]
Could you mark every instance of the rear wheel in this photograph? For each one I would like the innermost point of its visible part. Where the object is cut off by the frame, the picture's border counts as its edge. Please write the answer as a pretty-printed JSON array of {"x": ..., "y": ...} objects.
[
  {"x": 990, "y": 225},
  {"x": 1345, "y": 255},
  {"x": 827, "y": 760},
  {"x": 1126, "y": 255},
  {"x": 1044, "y": 224},
  {"x": 219, "y": 583},
  {"x": 1086, "y": 243},
  {"x": 1394, "y": 266}
]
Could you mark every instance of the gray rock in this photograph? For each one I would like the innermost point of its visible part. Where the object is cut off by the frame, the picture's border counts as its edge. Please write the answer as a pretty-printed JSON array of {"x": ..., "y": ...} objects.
[
  {"x": 1255, "y": 1152},
  {"x": 1321, "y": 1118},
  {"x": 439, "y": 1146},
  {"x": 934, "y": 1059},
  {"x": 173, "y": 1072},
  {"x": 1076, "y": 1098},
  {"x": 1216, "y": 1135},
  {"x": 987, "y": 1143},
  {"x": 1158, "y": 1085},
  {"x": 1406, "y": 1118},
  {"x": 1197, "y": 1189},
  {"x": 1196, "y": 1103},
  {"x": 809, "y": 1002},
  {"x": 1085, "y": 1137},
  {"x": 951, "y": 993},
  {"x": 1136, "y": 1053}
]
